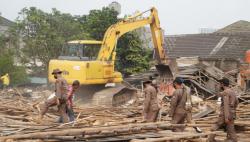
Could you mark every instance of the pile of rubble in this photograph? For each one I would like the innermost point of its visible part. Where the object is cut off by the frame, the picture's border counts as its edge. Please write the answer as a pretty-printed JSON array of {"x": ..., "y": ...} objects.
[
  {"x": 19, "y": 112},
  {"x": 19, "y": 121},
  {"x": 203, "y": 79}
]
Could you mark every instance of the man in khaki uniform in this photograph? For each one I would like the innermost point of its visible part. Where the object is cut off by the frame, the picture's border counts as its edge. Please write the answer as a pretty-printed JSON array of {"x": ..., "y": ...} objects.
[
  {"x": 151, "y": 108},
  {"x": 178, "y": 104},
  {"x": 227, "y": 112},
  {"x": 60, "y": 98}
]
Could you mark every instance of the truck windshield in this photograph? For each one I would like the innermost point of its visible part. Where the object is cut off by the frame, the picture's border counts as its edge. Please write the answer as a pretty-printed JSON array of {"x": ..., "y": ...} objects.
[{"x": 80, "y": 51}]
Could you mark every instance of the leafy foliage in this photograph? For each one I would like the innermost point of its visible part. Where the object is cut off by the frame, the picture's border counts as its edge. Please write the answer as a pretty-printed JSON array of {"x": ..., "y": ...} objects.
[
  {"x": 98, "y": 21},
  {"x": 44, "y": 35},
  {"x": 132, "y": 58},
  {"x": 17, "y": 73}
]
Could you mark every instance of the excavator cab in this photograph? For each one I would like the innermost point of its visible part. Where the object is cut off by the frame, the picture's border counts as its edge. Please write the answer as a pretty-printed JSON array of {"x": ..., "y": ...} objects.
[
  {"x": 81, "y": 50},
  {"x": 78, "y": 61}
]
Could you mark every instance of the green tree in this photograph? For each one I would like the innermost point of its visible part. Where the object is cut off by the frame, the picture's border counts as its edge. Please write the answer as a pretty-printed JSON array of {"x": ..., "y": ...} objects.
[
  {"x": 44, "y": 34},
  {"x": 7, "y": 65},
  {"x": 98, "y": 21},
  {"x": 131, "y": 57}
]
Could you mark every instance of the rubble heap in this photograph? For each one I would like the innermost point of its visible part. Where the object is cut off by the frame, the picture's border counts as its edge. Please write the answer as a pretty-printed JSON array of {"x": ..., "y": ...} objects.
[{"x": 19, "y": 122}]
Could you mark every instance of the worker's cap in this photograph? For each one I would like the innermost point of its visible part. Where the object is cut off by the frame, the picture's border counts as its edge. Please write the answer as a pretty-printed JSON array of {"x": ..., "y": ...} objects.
[
  {"x": 178, "y": 80},
  {"x": 56, "y": 71},
  {"x": 224, "y": 81}
]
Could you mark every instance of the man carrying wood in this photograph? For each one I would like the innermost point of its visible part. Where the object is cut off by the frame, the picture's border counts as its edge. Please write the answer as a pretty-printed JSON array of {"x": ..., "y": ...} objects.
[
  {"x": 151, "y": 108},
  {"x": 180, "y": 104},
  {"x": 227, "y": 112},
  {"x": 60, "y": 97}
]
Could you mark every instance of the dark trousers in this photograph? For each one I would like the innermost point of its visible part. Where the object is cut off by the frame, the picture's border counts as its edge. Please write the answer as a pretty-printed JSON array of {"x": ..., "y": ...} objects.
[
  {"x": 231, "y": 134},
  {"x": 179, "y": 118},
  {"x": 4, "y": 86},
  {"x": 70, "y": 113},
  {"x": 61, "y": 108},
  {"x": 151, "y": 116}
]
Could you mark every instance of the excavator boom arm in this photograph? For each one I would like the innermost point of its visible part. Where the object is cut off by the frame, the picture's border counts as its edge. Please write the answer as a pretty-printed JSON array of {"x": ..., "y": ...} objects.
[{"x": 117, "y": 30}]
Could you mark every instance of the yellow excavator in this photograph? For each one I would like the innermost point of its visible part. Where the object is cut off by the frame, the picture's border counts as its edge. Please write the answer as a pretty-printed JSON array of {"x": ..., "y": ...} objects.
[{"x": 92, "y": 62}]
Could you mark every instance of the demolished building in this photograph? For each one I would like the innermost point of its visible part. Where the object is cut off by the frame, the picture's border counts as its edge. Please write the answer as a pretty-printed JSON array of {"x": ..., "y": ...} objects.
[
  {"x": 224, "y": 49},
  {"x": 203, "y": 59}
]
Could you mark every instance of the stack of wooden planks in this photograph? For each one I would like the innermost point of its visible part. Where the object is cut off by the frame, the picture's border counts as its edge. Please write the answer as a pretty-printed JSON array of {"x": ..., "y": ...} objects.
[{"x": 97, "y": 123}]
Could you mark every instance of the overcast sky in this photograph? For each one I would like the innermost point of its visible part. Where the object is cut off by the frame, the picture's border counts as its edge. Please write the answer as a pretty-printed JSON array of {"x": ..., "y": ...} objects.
[{"x": 177, "y": 16}]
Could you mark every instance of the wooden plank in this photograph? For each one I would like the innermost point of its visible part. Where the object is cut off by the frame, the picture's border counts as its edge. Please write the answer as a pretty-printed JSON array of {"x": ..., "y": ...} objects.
[
  {"x": 179, "y": 137},
  {"x": 203, "y": 113}
]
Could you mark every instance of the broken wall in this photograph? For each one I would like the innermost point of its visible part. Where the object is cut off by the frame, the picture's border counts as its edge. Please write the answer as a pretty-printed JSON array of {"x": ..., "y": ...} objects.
[{"x": 224, "y": 65}]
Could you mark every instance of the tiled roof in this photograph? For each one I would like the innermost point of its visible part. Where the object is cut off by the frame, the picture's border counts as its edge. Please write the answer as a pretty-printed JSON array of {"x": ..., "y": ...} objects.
[
  {"x": 215, "y": 45},
  {"x": 229, "y": 42},
  {"x": 5, "y": 22},
  {"x": 240, "y": 27}
]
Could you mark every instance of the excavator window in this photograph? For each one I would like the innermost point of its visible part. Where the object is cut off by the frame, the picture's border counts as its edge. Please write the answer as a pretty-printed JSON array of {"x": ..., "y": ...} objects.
[{"x": 83, "y": 52}]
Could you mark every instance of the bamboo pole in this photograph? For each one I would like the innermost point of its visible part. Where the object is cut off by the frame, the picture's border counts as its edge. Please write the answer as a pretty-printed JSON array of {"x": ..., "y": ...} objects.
[
  {"x": 163, "y": 139},
  {"x": 82, "y": 131}
]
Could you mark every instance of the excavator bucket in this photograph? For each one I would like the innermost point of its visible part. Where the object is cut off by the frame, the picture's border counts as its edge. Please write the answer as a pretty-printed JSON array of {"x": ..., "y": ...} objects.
[
  {"x": 168, "y": 70},
  {"x": 114, "y": 96},
  {"x": 164, "y": 71},
  {"x": 105, "y": 96}
]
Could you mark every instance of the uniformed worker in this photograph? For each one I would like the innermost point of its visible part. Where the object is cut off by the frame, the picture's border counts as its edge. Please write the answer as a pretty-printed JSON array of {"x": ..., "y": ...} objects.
[
  {"x": 179, "y": 106},
  {"x": 60, "y": 97},
  {"x": 151, "y": 108},
  {"x": 227, "y": 112}
]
